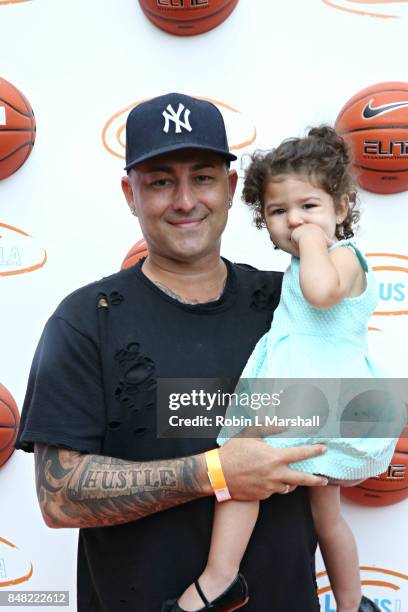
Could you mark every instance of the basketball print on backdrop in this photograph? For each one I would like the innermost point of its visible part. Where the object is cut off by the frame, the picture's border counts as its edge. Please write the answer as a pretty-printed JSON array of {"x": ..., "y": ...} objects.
[
  {"x": 17, "y": 129},
  {"x": 388, "y": 488},
  {"x": 240, "y": 128},
  {"x": 138, "y": 251},
  {"x": 187, "y": 17},
  {"x": 383, "y": 9},
  {"x": 9, "y": 421},
  {"x": 375, "y": 123}
]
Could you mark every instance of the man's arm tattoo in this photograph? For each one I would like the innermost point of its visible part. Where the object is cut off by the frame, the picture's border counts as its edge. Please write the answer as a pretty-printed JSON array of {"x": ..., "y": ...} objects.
[{"x": 76, "y": 490}]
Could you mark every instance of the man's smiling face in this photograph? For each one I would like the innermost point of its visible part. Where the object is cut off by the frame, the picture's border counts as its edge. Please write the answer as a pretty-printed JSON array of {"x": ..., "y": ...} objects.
[{"x": 181, "y": 200}]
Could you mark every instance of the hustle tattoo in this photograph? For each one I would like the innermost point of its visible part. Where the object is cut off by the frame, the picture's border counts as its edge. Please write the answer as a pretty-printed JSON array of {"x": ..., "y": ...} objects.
[{"x": 90, "y": 490}]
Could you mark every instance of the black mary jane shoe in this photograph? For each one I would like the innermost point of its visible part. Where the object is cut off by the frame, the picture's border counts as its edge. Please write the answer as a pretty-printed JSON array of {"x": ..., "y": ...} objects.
[
  {"x": 231, "y": 599},
  {"x": 366, "y": 605}
]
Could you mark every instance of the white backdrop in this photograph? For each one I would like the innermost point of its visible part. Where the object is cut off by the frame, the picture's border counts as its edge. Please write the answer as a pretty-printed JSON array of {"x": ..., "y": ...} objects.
[{"x": 284, "y": 66}]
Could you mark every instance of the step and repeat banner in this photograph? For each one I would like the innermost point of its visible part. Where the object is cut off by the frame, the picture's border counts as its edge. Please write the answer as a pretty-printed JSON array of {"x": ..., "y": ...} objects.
[{"x": 70, "y": 71}]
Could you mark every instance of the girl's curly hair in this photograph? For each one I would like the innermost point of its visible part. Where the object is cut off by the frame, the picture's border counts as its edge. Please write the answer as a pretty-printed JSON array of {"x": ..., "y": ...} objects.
[{"x": 323, "y": 156}]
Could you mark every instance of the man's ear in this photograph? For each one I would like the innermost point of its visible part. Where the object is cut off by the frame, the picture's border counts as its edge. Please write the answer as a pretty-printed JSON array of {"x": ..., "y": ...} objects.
[
  {"x": 232, "y": 182},
  {"x": 128, "y": 193}
]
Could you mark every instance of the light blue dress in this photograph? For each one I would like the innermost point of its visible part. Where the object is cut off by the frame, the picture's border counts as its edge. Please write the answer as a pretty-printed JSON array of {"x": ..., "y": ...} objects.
[{"x": 312, "y": 343}]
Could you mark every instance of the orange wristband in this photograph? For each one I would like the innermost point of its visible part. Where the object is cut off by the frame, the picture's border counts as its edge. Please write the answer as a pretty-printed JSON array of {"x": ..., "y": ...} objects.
[{"x": 216, "y": 475}]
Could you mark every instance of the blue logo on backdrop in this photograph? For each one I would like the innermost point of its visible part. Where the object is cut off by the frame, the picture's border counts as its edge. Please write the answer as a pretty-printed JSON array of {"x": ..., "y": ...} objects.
[
  {"x": 392, "y": 291},
  {"x": 385, "y": 605},
  {"x": 387, "y": 588},
  {"x": 391, "y": 271},
  {"x": 10, "y": 257}
]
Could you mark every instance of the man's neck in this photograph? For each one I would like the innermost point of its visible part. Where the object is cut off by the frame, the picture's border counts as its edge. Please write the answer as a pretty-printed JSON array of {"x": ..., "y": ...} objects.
[{"x": 190, "y": 283}]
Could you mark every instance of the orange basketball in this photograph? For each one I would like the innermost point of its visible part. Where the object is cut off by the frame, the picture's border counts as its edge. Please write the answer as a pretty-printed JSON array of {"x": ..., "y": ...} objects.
[
  {"x": 187, "y": 17},
  {"x": 375, "y": 123},
  {"x": 137, "y": 251},
  {"x": 402, "y": 444},
  {"x": 388, "y": 488},
  {"x": 17, "y": 129},
  {"x": 9, "y": 421}
]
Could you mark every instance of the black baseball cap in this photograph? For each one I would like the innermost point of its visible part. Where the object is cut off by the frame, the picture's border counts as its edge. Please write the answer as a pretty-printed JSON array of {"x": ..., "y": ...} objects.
[{"x": 173, "y": 122}]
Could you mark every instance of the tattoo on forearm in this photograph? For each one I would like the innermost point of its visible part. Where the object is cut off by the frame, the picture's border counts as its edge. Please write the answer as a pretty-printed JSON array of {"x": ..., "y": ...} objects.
[{"x": 92, "y": 490}]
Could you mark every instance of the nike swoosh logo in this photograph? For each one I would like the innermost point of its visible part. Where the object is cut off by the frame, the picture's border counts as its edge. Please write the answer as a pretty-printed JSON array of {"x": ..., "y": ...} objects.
[{"x": 369, "y": 111}]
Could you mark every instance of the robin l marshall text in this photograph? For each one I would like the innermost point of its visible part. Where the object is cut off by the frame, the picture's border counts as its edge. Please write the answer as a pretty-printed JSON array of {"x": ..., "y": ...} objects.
[{"x": 235, "y": 421}]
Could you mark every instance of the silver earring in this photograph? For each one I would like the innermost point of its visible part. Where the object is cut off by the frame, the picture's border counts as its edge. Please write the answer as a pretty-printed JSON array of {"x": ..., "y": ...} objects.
[
  {"x": 229, "y": 203},
  {"x": 133, "y": 211}
]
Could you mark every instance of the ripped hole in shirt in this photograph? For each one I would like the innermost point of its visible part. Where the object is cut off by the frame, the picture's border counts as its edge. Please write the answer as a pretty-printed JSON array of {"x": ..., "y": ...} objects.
[
  {"x": 114, "y": 424},
  {"x": 140, "y": 431}
]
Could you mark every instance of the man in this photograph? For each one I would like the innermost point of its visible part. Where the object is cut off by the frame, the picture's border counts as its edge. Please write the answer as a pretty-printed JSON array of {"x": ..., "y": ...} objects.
[{"x": 144, "y": 504}]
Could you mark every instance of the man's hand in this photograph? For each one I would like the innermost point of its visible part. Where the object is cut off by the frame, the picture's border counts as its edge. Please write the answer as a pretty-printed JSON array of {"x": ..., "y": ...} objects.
[{"x": 255, "y": 470}]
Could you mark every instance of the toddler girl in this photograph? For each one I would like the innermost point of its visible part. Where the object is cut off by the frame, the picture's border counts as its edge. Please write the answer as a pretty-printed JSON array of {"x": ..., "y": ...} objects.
[{"x": 303, "y": 192}]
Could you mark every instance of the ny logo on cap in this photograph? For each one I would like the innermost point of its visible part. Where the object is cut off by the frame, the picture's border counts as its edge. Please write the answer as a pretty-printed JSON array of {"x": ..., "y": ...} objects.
[{"x": 174, "y": 116}]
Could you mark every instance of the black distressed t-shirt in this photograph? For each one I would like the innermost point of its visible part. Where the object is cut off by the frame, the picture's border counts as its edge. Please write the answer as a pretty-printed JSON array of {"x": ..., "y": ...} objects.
[{"x": 92, "y": 388}]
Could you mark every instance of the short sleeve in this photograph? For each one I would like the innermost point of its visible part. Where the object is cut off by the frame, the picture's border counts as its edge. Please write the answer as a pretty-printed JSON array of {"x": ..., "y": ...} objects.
[{"x": 64, "y": 403}]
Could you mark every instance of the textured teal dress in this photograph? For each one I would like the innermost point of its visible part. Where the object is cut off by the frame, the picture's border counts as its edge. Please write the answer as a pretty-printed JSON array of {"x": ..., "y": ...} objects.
[{"x": 313, "y": 343}]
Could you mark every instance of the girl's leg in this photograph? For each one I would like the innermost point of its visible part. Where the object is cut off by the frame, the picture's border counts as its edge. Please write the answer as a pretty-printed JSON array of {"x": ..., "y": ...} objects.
[
  {"x": 338, "y": 547},
  {"x": 234, "y": 522}
]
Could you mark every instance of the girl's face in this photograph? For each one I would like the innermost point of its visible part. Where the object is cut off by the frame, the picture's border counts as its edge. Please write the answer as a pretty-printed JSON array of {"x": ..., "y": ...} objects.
[{"x": 291, "y": 200}]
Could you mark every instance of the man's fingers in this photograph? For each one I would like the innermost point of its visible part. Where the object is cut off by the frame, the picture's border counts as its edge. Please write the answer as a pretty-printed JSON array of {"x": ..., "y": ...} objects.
[
  {"x": 294, "y": 454},
  {"x": 294, "y": 478},
  {"x": 287, "y": 488},
  {"x": 299, "y": 453}
]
